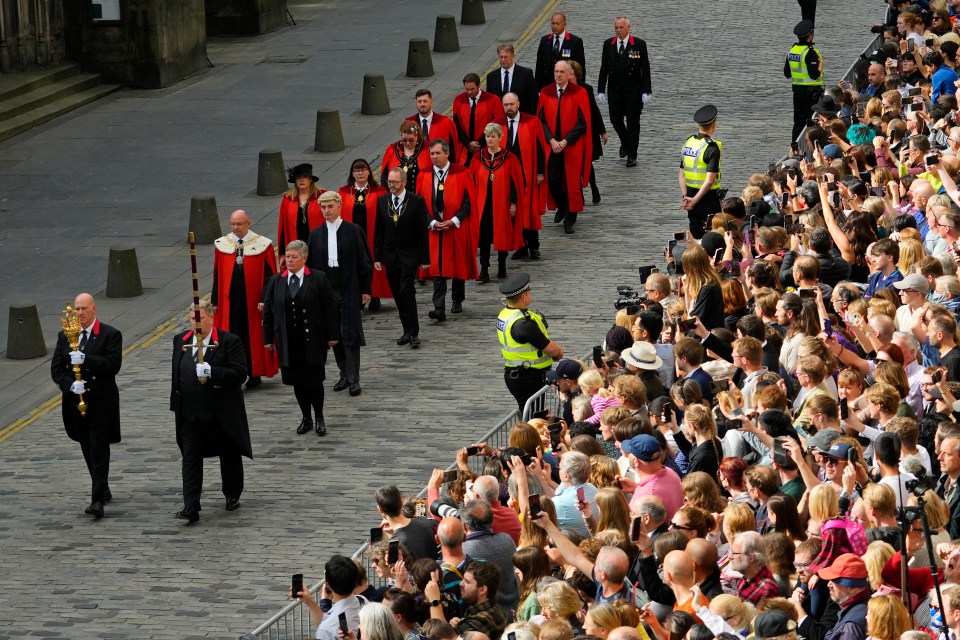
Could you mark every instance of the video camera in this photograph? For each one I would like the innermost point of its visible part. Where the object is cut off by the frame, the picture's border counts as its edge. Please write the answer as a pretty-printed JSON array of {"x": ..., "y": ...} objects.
[
  {"x": 630, "y": 299},
  {"x": 921, "y": 485}
]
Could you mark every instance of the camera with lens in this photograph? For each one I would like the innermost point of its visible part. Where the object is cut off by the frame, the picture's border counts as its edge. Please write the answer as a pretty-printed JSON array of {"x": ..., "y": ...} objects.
[
  {"x": 445, "y": 507},
  {"x": 921, "y": 485},
  {"x": 629, "y": 299}
]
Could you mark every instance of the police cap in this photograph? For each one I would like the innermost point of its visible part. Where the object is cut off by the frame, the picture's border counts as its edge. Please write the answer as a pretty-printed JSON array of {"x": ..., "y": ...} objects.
[
  {"x": 803, "y": 28},
  {"x": 705, "y": 115},
  {"x": 516, "y": 285}
]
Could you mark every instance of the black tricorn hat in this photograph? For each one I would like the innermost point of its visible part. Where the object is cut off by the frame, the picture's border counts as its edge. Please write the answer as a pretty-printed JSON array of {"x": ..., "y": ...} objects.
[{"x": 301, "y": 170}]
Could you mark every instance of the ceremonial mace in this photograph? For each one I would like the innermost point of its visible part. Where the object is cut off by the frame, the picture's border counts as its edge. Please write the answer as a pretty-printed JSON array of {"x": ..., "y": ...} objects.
[
  {"x": 71, "y": 331},
  {"x": 197, "y": 336}
]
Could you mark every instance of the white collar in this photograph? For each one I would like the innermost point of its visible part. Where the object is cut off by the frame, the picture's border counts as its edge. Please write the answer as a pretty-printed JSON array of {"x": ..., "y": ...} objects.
[
  {"x": 445, "y": 169},
  {"x": 476, "y": 97},
  {"x": 335, "y": 224},
  {"x": 428, "y": 117},
  {"x": 559, "y": 88},
  {"x": 299, "y": 274},
  {"x": 510, "y": 70},
  {"x": 402, "y": 195},
  {"x": 245, "y": 238},
  {"x": 562, "y": 36}
]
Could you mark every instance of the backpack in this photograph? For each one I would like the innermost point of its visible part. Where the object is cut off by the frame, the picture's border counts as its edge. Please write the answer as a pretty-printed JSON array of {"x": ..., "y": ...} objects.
[{"x": 856, "y": 535}]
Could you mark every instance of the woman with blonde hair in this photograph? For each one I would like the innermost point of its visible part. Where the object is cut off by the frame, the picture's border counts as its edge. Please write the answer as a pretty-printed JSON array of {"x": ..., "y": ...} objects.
[
  {"x": 559, "y": 601},
  {"x": 530, "y": 534},
  {"x": 701, "y": 287},
  {"x": 876, "y": 558},
  {"x": 693, "y": 522},
  {"x": 911, "y": 252},
  {"x": 738, "y": 613},
  {"x": 887, "y": 618},
  {"x": 624, "y": 319},
  {"x": 530, "y": 564},
  {"x": 299, "y": 206},
  {"x": 700, "y": 490},
  {"x": 614, "y": 510},
  {"x": 603, "y": 471},
  {"x": 736, "y": 518},
  {"x": 700, "y": 426}
]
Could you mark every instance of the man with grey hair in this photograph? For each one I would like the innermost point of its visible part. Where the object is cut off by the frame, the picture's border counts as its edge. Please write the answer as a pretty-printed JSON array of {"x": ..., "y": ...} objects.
[
  {"x": 749, "y": 558},
  {"x": 808, "y": 195},
  {"x": 653, "y": 516},
  {"x": 574, "y": 490},
  {"x": 510, "y": 77},
  {"x": 505, "y": 519},
  {"x": 557, "y": 45},
  {"x": 498, "y": 548},
  {"x": 626, "y": 65}
]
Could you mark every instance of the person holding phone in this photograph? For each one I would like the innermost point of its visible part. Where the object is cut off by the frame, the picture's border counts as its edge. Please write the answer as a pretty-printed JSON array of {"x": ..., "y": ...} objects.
[
  {"x": 341, "y": 575},
  {"x": 701, "y": 287},
  {"x": 943, "y": 78},
  {"x": 804, "y": 68}
]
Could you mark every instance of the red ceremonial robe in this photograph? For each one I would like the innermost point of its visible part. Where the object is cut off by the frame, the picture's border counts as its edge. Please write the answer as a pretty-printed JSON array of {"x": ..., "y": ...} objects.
[
  {"x": 287, "y": 222},
  {"x": 489, "y": 108},
  {"x": 533, "y": 152},
  {"x": 393, "y": 158},
  {"x": 259, "y": 263},
  {"x": 441, "y": 127},
  {"x": 507, "y": 231},
  {"x": 578, "y": 156},
  {"x": 452, "y": 252},
  {"x": 380, "y": 288}
]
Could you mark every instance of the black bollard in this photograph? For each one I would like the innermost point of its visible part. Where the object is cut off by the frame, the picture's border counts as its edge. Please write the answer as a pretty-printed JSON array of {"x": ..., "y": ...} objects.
[
  {"x": 204, "y": 221},
  {"x": 471, "y": 12},
  {"x": 123, "y": 273},
  {"x": 271, "y": 176},
  {"x": 24, "y": 335},
  {"x": 445, "y": 39},
  {"x": 375, "y": 101},
  {"x": 329, "y": 136}
]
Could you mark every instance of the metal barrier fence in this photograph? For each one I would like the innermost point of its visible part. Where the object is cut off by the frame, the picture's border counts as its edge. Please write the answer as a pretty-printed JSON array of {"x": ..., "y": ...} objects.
[{"x": 293, "y": 621}]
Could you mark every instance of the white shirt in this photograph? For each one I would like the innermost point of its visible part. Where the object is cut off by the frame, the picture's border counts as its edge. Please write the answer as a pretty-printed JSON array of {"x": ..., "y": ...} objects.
[
  {"x": 299, "y": 275},
  {"x": 327, "y": 630},
  {"x": 561, "y": 38},
  {"x": 206, "y": 343},
  {"x": 436, "y": 182},
  {"x": 428, "y": 118},
  {"x": 622, "y": 42},
  {"x": 503, "y": 73},
  {"x": 402, "y": 196},
  {"x": 516, "y": 128},
  {"x": 236, "y": 238},
  {"x": 563, "y": 88},
  {"x": 332, "y": 256}
]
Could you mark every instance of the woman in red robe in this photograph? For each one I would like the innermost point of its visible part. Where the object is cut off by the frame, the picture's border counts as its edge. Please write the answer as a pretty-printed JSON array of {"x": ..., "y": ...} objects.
[
  {"x": 299, "y": 209},
  {"x": 409, "y": 153},
  {"x": 360, "y": 207},
  {"x": 499, "y": 188}
]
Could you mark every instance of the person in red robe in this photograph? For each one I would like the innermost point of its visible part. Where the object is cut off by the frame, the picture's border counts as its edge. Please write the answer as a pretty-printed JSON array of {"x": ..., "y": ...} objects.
[
  {"x": 299, "y": 209},
  {"x": 565, "y": 116},
  {"x": 498, "y": 181},
  {"x": 525, "y": 140},
  {"x": 434, "y": 126},
  {"x": 242, "y": 264},
  {"x": 409, "y": 154},
  {"x": 472, "y": 111},
  {"x": 448, "y": 192},
  {"x": 360, "y": 207}
]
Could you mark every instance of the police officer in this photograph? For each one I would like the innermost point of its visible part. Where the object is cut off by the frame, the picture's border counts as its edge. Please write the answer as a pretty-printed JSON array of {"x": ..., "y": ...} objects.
[
  {"x": 700, "y": 171},
  {"x": 524, "y": 342},
  {"x": 804, "y": 67}
]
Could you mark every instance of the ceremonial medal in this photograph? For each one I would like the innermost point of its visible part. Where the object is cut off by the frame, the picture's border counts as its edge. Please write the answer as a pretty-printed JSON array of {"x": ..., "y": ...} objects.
[
  {"x": 440, "y": 187},
  {"x": 239, "y": 258},
  {"x": 491, "y": 177},
  {"x": 405, "y": 169},
  {"x": 360, "y": 199},
  {"x": 395, "y": 217}
]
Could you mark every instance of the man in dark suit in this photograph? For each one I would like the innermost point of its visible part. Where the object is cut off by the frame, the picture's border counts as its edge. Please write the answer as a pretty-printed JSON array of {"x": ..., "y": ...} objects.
[
  {"x": 560, "y": 44},
  {"x": 947, "y": 487},
  {"x": 99, "y": 356},
  {"x": 350, "y": 272},
  {"x": 626, "y": 65},
  {"x": 401, "y": 246},
  {"x": 210, "y": 415},
  {"x": 512, "y": 78},
  {"x": 689, "y": 354}
]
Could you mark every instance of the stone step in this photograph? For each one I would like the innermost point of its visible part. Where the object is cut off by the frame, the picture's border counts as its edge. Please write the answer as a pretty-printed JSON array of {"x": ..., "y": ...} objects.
[
  {"x": 47, "y": 94},
  {"x": 57, "y": 106},
  {"x": 15, "y": 84}
]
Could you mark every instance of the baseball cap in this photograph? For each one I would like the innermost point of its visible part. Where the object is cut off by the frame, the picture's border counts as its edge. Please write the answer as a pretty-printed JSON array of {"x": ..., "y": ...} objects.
[
  {"x": 848, "y": 565},
  {"x": 823, "y": 439},
  {"x": 644, "y": 447},
  {"x": 913, "y": 281},
  {"x": 566, "y": 370},
  {"x": 833, "y": 151},
  {"x": 773, "y": 623},
  {"x": 838, "y": 450}
]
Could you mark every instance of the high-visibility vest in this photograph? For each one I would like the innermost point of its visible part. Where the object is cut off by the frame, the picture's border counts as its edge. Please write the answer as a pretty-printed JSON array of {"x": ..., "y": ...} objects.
[
  {"x": 520, "y": 354},
  {"x": 799, "y": 75},
  {"x": 694, "y": 166}
]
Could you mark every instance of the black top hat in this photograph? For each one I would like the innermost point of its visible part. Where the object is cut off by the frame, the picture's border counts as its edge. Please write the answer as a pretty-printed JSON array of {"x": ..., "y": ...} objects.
[
  {"x": 301, "y": 170},
  {"x": 827, "y": 106}
]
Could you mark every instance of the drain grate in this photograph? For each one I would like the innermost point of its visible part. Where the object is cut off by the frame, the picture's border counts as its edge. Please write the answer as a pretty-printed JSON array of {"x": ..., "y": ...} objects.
[{"x": 284, "y": 59}]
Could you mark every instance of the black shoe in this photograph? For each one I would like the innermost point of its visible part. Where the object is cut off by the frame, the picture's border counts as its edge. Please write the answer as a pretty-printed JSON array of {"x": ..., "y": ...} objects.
[
  {"x": 321, "y": 427},
  {"x": 254, "y": 381},
  {"x": 355, "y": 389},
  {"x": 456, "y": 307},
  {"x": 534, "y": 254},
  {"x": 567, "y": 228},
  {"x": 631, "y": 162},
  {"x": 374, "y": 304},
  {"x": 484, "y": 275},
  {"x": 522, "y": 252},
  {"x": 414, "y": 341},
  {"x": 404, "y": 339},
  {"x": 233, "y": 504},
  {"x": 95, "y": 509},
  {"x": 108, "y": 496},
  {"x": 422, "y": 282},
  {"x": 501, "y": 274},
  {"x": 623, "y": 152},
  {"x": 558, "y": 217},
  {"x": 304, "y": 426},
  {"x": 190, "y": 514},
  {"x": 438, "y": 314},
  {"x": 596, "y": 195},
  {"x": 341, "y": 384}
]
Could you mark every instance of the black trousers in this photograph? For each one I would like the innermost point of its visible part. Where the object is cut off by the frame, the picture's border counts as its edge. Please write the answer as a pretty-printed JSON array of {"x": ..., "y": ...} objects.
[
  {"x": 557, "y": 184},
  {"x": 401, "y": 279},
  {"x": 96, "y": 453},
  {"x": 804, "y": 99},
  {"x": 625, "y": 109},
  {"x": 523, "y": 383},
  {"x": 194, "y": 437},
  {"x": 808, "y": 11},
  {"x": 709, "y": 204},
  {"x": 348, "y": 358},
  {"x": 458, "y": 293},
  {"x": 531, "y": 238}
]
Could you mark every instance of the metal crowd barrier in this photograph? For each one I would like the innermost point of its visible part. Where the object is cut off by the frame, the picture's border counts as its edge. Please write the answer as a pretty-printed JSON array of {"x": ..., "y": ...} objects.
[{"x": 293, "y": 621}]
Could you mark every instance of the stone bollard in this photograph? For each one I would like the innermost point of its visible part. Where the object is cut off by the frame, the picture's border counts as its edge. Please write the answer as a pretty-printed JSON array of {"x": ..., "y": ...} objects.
[
  {"x": 329, "y": 136},
  {"x": 375, "y": 101},
  {"x": 123, "y": 273},
  {"x": 471, "y": 12},
  {"x": 419, "y": 60},
  {"x": 24, "y": 335},
  {"x": 204, "y": 221},
  {"x": 271, "y": 176},
  {"x": 445, "y": 38}
]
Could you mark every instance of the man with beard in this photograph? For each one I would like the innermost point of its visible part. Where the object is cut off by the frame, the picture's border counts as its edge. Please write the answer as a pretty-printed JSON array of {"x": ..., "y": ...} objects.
[
  {"x": 749, "y": 558},
  {"x": 524, "y": 138},
  {"x": 850, "y": 588},
  {"x": 481, "y": 580},
  {"x": 433, "y": 125}
]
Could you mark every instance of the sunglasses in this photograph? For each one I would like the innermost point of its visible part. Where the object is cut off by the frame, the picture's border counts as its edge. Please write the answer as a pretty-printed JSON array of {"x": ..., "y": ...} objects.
[{"x": 674, "y": 525}]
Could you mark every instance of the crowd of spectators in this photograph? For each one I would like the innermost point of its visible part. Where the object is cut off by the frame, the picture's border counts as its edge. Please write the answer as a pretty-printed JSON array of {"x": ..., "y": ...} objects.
[{"x": 768, "y": 429}]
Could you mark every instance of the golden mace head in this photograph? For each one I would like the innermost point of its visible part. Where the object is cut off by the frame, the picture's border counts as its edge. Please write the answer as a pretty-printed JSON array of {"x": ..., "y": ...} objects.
[{"x": 70, "y": 323}]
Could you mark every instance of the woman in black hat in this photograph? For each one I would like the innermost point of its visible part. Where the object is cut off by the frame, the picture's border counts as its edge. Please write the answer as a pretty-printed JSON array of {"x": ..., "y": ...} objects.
[
  {"x": 299, "y": 209},
  {"x": 360, "y": 207}
]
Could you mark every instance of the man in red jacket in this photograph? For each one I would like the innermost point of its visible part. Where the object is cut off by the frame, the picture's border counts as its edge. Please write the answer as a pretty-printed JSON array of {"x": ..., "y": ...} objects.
[{"x": 472, "y": 111}]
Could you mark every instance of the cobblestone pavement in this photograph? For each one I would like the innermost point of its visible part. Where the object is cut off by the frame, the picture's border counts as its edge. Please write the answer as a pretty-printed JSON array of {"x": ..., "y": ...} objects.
[{"x": 138, "y": 573}]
